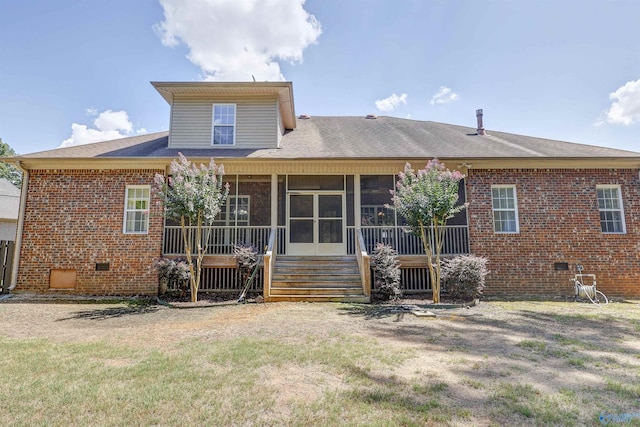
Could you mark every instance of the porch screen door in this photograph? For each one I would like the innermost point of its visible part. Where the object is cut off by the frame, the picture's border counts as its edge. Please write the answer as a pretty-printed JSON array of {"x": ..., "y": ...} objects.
[{"x": 316, "y": 224}]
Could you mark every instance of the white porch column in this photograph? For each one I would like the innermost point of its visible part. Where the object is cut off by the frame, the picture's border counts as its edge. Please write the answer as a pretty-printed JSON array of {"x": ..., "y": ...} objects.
[
  {"x": 357, "y": 221},
  {"x": 274, "y": 200}
]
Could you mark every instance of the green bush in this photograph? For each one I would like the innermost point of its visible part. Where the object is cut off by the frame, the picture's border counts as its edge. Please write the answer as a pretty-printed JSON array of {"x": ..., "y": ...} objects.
[
  {"x": 246, "y": 257},
  {"x": 386, "y": 267},
  {"x": 463, "y": 277},
  {"x": 173, "y": 273}
]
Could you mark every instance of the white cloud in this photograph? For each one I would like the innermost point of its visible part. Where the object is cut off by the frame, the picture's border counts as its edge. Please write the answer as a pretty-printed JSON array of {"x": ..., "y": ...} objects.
[
  {"x": 235, "y": 39},
  {"x": 625, "y": 108},
  {"x": 391, "y": 103},
  {"x": 108, "y": 125},
  {"x": 444, "y": 96}
]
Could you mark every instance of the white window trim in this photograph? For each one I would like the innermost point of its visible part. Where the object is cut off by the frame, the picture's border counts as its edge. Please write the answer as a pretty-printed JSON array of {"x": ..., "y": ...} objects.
[
  {"x": 213, "y": 124},
  {"x": 621, "y": 210},
  {"x": 515, "y": 209},
  {"x": 126, "y": 210}
]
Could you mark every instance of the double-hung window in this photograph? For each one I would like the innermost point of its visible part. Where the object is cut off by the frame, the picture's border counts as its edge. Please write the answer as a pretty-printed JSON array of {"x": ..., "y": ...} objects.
[
  {"x": 610, "y": 207},
  {"x": 235, "y": 211},
  {"x": 136, "y": 209},
  {"x": 224, "y": 124},
  {"x": 505, "y": 209}
]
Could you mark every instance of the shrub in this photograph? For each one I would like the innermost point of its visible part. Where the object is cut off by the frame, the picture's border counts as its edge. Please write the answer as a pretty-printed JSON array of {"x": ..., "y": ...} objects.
[
  {"x": 246, "y": 257},
  {"x": 463, "y": 276},
  {"x": 172, "y": 273},
  {"x": 386, "y": 267}
]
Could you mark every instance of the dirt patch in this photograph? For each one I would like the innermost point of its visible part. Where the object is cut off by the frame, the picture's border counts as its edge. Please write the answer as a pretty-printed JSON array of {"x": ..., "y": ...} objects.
[{"x": 559, "y": 349}]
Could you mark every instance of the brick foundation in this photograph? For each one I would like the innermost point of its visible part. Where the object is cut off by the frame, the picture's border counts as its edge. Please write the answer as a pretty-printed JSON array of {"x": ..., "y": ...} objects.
[
  {"x": 73, "y": 220},
  {"x": 559, "y": 222}
]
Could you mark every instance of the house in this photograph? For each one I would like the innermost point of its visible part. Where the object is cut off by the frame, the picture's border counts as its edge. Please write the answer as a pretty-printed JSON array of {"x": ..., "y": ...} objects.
[
  {"x": 9, "y": 205},
  {"x": 312, "y": 191}
]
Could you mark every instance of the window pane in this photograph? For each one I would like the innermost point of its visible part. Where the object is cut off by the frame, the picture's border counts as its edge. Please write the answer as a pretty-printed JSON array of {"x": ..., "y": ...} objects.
[
  {"x": 505, "y": 221},
  {"x": 611, "y": 222},
  {"x": 223, "y": 135},
  {"x": 224, "y": 114}
]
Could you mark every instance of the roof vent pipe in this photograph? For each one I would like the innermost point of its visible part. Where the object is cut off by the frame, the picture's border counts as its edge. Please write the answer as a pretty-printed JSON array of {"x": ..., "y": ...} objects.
[
  {"x": 480, "y": 124},
  {"x": 371, "y": 116}
]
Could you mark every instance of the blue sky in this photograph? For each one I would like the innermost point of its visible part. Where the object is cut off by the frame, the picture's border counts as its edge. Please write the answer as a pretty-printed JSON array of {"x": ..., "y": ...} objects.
[{"x": 75, "y": 71}]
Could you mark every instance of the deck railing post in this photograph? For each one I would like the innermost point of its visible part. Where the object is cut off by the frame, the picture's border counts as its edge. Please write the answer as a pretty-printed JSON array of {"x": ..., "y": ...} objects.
[
  {"x": 364, "y": 263},
  {"x": 269, "y": 262}
]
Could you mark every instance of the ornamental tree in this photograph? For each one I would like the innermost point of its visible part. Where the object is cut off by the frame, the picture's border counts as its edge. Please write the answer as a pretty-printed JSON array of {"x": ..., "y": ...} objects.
[
  {"x": 8, "y": 171},
  {"x": 193, "y": 195},
  {"x": 427, "y": 199}
]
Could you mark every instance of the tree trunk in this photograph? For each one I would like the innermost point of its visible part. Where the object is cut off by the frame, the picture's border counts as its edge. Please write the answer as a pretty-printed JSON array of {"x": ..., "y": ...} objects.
[
  {"x": 435, "y": 279},
  {"x": 188, "y": 241},
  {"x": 438, "y": 233}
]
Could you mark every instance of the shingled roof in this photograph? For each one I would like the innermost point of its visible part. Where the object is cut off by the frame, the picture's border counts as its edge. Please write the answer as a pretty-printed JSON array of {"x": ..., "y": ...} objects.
[{"x": 357, "y": 138}]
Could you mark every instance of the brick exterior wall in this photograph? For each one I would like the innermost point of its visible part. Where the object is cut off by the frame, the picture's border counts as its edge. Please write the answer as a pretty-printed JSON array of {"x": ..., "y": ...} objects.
[
  {"x": 559, "y": 222},
  {"x": 73, "y": 220}
]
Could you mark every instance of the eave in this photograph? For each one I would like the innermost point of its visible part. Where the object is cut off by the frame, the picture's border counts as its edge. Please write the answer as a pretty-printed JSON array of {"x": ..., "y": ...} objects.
[{"x": 325, "y": 165}]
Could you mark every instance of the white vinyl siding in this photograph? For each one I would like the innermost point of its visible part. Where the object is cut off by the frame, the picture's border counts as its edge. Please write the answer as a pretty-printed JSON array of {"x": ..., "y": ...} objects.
[
  {"x": 505, "y": 209},
  {"x": 192, "y": 122},
  {"x": 136, "y": 209},
  {"x": 611, "y": 210}
]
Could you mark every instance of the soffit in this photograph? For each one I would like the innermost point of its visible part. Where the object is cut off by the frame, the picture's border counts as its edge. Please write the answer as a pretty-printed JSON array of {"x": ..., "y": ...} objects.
[{"x": 324, "y": 166}]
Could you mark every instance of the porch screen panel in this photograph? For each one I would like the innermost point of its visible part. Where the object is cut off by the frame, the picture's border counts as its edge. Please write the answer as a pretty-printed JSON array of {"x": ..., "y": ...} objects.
[
  {"x": 330, "y": 218},
  {"x": 375, "y": 193},
  {"x": 316, "y": 182},
  {"x": 301, "y": 221},
  {"x": 282, "y": 200},
  {"x": 258, "y": 189},
  {"x": 350, "y": 201},
  {"x": 461, "y": 217}
]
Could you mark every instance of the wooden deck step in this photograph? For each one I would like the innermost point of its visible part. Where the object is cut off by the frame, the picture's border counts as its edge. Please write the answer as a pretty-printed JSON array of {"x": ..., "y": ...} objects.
[{"x": 326, "y": 278}]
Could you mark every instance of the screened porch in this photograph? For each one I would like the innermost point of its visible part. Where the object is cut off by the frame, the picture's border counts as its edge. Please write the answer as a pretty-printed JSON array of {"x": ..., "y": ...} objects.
[{"x": 261, "y": 206}]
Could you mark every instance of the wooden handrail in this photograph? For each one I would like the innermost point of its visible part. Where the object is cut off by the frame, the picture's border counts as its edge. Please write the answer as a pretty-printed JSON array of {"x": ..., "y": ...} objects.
[
  {"x": 269, "y": 262},
  {"x": 364, "y": 263}
]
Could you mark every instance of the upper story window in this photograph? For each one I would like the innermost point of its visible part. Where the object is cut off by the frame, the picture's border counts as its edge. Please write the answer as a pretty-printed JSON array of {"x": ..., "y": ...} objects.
[
  {"x": 224, "y": 124},
  {"x": 610, "y": 207},
  {"x": 136, "y": 209},
  {"x": 505, "y": 209}
]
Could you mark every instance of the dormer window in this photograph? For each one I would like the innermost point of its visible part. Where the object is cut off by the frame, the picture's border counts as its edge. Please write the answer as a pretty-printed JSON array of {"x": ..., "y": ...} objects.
[{"x": 224, "y": 124}]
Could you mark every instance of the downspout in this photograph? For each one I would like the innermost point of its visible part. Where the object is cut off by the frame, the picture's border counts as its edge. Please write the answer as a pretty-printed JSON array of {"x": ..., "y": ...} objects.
[{"x": 23, "y": 203}]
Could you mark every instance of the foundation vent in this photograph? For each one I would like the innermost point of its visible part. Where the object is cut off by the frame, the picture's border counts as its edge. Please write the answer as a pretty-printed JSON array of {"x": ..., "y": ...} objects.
[{"x": 102, "y": 266}]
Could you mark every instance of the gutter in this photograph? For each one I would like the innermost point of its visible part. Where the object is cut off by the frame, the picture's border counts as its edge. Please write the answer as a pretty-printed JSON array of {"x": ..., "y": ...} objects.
[{"x": 23, "y": 203}]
